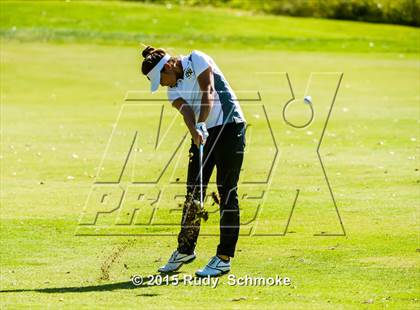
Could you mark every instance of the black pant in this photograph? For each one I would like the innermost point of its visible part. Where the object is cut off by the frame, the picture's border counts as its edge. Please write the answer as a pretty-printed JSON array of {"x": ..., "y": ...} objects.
[{"x": 224, "y": 149}]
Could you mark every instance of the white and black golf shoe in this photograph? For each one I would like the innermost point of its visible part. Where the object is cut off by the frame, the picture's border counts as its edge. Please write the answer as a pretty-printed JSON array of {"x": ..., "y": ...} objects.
[
  {"x": 215, "y": 267},
  {"x": 176, "y": 261}
]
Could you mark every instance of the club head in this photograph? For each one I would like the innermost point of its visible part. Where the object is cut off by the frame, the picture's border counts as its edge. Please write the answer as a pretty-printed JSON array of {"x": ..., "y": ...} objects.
[{"x": 203, "y": 214}]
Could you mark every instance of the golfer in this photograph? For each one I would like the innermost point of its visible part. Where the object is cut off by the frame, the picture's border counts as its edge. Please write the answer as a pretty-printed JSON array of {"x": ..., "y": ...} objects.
[{"x": 211, "y": 112}]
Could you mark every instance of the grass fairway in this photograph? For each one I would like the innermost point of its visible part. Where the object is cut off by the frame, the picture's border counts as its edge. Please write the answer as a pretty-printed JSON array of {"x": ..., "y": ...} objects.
[{"x": 64, "y": 77}]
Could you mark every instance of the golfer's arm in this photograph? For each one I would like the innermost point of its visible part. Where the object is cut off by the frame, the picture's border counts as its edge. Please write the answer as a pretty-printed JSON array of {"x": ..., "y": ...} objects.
[
  {"x": 187, "y": 113},
  {"x": 206, "y": 82}
]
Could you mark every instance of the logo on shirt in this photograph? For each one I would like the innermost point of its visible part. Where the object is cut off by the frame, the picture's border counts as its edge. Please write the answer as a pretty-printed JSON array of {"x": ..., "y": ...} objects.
[{"x": 188, "y": 72}]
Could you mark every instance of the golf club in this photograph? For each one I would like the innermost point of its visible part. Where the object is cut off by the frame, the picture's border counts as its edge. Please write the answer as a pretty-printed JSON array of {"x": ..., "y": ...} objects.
[{"x": 202, "y": 213}]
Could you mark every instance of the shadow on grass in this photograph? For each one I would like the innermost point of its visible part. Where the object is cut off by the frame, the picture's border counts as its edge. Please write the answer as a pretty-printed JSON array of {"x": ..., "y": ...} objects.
[{"x": 127, "y": 285}]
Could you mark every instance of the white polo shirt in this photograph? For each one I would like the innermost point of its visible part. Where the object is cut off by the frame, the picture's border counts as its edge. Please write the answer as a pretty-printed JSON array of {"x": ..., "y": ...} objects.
[{"x": 225, "y": 109}]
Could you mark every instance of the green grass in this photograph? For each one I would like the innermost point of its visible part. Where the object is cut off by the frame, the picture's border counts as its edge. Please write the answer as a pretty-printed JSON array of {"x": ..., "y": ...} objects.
[
  {"x": 130, "y": 23},
  {"x": 61, "y": 96}
]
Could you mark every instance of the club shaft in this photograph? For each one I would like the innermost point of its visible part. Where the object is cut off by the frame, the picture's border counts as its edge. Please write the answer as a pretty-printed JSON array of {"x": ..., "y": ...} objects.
[{"x": 201, "y": 175}]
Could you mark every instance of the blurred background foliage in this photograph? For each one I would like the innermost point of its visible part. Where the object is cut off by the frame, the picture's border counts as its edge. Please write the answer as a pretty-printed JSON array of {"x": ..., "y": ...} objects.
[{"x": 405, "y": 12}]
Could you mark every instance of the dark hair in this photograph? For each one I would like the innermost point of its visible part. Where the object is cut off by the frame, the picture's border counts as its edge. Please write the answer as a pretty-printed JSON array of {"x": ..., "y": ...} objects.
[{"x": 151, "y": 57}]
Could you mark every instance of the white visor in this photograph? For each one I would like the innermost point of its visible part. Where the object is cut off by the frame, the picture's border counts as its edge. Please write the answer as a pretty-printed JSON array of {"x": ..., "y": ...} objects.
[{"x": 154, "y": 74}]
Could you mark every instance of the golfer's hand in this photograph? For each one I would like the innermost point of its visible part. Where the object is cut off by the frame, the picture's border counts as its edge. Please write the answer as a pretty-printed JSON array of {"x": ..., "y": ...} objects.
[
  {"x": 202, "y": 133},
  {"x": 198, "y": 138}
]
